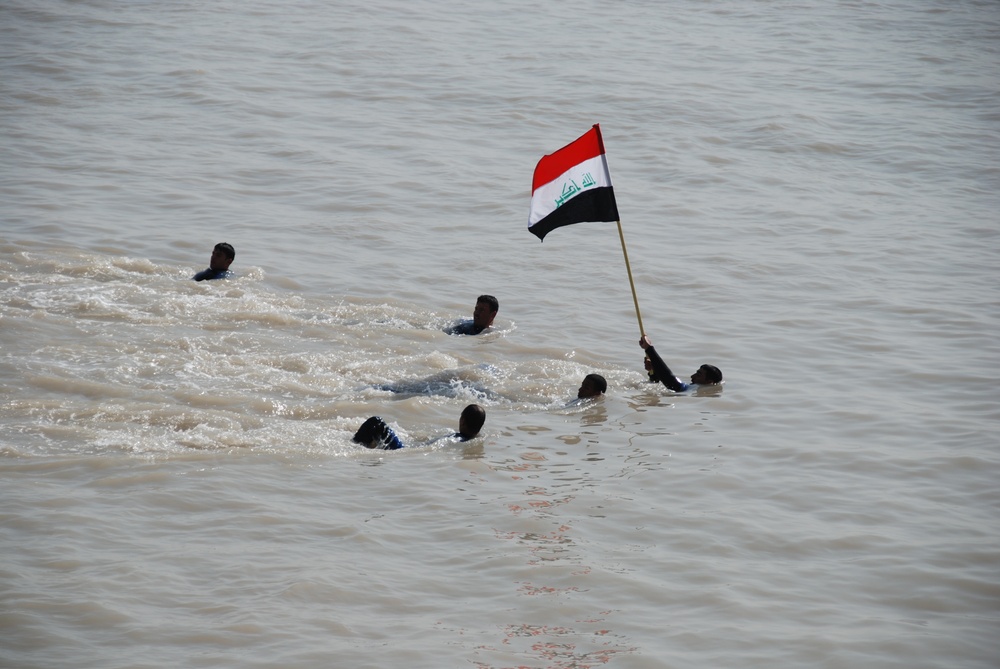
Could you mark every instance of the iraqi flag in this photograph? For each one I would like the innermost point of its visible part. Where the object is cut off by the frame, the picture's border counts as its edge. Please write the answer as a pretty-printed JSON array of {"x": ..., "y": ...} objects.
[{"x": 572, "y": 185}]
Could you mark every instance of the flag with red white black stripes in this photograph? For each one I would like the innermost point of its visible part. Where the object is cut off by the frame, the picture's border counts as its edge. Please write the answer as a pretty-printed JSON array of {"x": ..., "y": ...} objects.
[{"x": 572, "y": 185}]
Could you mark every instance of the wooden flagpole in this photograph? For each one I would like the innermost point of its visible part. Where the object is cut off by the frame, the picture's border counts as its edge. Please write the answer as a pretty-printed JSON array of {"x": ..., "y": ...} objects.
[{"x": 631, "y": 283}]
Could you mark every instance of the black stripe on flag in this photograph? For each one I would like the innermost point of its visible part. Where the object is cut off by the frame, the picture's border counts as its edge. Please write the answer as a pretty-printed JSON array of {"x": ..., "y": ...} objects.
[{"x": 595, "y": 204}]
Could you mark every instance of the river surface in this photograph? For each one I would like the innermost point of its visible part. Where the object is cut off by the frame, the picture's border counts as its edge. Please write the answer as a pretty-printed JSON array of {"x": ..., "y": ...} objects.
[{"x": 809, "y": 194}]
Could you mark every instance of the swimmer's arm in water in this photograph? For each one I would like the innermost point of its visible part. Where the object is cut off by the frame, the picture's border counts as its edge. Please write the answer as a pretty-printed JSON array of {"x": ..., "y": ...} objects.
[{"x": 661, "y": 369}]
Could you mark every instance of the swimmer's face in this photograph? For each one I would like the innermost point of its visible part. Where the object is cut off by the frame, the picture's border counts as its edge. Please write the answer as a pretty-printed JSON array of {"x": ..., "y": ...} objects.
[
  {"x": 219, "y": 260},
  {"x": 702, "y": 376},
  {"x": 482, "y": 316}
]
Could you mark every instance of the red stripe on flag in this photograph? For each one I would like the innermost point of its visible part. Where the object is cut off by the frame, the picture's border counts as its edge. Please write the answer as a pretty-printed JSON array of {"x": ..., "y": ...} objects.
[{"x": 551, "y": 166}]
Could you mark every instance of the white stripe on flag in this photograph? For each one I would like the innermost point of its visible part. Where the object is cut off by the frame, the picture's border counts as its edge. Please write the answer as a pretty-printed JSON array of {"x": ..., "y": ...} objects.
[{"x": 589, "y": 174}]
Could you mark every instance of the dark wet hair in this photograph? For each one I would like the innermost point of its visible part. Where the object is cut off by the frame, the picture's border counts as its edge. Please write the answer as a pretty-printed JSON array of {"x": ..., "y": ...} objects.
[
  {"x": 714, "y": 373},
  {"x": 599, "y": 381},
  {"x": 490, "y": 300},
  {"x": 473, "y": 419},
  {"x": 227, "y": 249}
]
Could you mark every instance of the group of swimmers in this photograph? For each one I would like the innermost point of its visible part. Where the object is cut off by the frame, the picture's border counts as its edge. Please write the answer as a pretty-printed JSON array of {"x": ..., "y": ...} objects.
[{"x": 374, "y": 433}]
